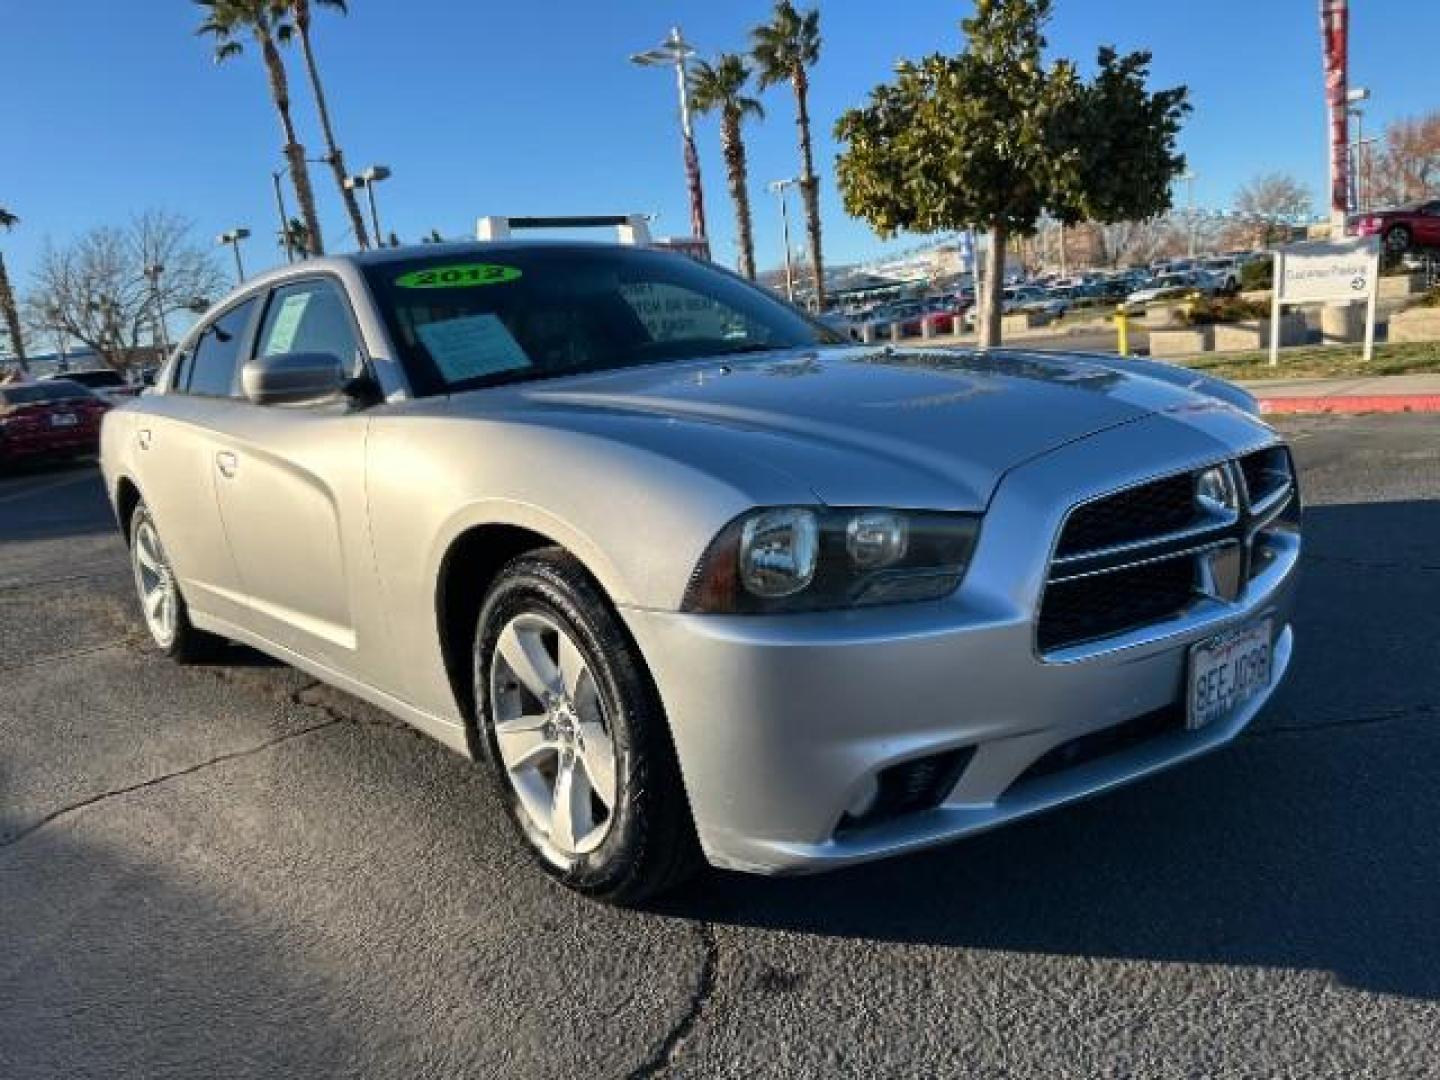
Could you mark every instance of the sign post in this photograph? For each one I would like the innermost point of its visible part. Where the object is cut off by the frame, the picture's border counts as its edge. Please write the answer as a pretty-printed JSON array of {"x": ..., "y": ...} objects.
[{"x": 1328, "y": 271}]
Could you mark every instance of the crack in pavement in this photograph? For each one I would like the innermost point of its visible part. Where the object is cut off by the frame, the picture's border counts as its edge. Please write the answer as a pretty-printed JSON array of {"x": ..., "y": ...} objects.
[
  {"x": 333, "y": 718},
  {"x": 1405, "y": 712},
  {"x": 65, "y": 811},
  {"x": 669, "y": 1049},
  {"x": 1369, "y": 564},
  {"x": 11, "y": 584},
  {"x": 40, "y": 661}
]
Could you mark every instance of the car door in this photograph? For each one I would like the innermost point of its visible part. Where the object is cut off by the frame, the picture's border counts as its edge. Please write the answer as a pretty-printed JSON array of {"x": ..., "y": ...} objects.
[
  {"x": 1427, "y": 232},
  {"x": 175, "y": 446},
  {"x": 291, "y": 491}
]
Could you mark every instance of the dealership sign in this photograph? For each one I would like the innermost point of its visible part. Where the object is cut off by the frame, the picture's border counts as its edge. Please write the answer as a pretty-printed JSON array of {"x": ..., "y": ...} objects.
[{"x": 1327, "y": 272}]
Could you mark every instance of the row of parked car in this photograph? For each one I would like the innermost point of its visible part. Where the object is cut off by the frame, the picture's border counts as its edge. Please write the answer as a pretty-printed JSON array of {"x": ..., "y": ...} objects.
[{"x": 1051, "y": 297}]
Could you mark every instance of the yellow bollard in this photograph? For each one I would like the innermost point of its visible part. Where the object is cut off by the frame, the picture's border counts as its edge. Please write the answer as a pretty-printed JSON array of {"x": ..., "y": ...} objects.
[{"x": 1122, "y": 328}]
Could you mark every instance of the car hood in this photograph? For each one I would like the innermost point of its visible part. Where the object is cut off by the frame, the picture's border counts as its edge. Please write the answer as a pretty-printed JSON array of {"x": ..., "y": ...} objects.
[{"x": 863, "y": 425}]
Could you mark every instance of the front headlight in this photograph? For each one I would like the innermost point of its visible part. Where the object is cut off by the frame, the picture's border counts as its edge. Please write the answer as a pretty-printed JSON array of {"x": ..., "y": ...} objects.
[{"x": 796, "y": 558}]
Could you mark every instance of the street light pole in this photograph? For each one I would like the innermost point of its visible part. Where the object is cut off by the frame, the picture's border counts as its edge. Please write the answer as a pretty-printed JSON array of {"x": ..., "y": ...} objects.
[
  {"x": 1189, "y": 178},
  {"x": 674, "y": 51},
  {"x": 233, "y": 238},
  {"x": 157, "y": 309},
  {"x": 284, "y": 218},
  {"x": 779, "y": 187},
  {"x": 367, "y": 180}
]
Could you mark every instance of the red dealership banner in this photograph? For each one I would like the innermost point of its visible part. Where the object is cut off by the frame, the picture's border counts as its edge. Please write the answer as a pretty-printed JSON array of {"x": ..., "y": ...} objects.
[{"x": 1335, "y": 36}]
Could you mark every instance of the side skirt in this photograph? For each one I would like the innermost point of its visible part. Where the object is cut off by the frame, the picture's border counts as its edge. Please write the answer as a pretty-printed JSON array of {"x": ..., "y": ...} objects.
[{"x": 444, "y": 731}]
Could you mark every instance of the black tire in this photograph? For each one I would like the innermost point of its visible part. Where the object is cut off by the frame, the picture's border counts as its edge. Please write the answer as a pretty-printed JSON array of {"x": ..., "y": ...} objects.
[
  {"x": 1398, "y": 239},
  {"x": 650, "y": 845},
  {"x": 187, "y": 645}
]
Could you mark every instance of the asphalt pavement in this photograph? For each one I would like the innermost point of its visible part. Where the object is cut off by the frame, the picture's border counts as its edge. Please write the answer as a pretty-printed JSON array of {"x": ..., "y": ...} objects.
[{"x": 231, "y": 871}]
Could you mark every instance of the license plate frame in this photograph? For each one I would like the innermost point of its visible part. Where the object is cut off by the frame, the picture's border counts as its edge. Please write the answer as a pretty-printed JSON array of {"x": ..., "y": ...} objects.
[
  {"x": 1225, "y": 672},
  {"x": 64, "y": 420}
]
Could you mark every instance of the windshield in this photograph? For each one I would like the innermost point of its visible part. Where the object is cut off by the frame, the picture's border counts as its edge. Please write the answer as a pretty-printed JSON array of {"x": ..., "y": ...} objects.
[{"x": 502, "y": 313}]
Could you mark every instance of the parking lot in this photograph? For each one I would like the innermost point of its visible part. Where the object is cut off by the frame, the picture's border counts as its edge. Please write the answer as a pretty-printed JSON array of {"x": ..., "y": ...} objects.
[{"x": 232, "y": 871}]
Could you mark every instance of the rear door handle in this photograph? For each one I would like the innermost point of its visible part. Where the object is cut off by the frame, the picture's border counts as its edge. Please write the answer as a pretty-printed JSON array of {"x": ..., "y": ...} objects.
[
  {"x": 143, "y": 438},
  {"x": 227, "y": 463}
]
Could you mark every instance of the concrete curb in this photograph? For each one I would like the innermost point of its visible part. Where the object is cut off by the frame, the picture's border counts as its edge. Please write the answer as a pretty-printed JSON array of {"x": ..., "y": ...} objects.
[{"x": 1353, "y": 403}]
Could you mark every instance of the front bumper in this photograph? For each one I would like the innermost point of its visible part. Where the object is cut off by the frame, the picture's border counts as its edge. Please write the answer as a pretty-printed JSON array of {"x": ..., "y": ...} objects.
[{"x": 781, "y": 722}]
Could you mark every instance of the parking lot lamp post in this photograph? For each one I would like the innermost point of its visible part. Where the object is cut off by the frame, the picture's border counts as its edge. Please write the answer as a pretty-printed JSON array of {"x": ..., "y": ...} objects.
[
  {"x": 284, "y": 221},
  {"x": 367, "y": 180},
  {"x": 1189, "y": 178},
  {"x": 779, "y": 187},
  {"x": 233, "y": 238},
  {"x": 674, "y": 51},
  {"x": 1353, "y": 97}
]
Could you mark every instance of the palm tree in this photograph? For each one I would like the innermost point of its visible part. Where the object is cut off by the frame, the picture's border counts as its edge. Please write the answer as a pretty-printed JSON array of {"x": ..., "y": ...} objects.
[
  {"x": 722, "y": 86},
  {"x": 784, "y": 49},
  {"x": 295, "y": 237},
  {"x": 265, "y": 20},
  {"x": 7, "y": 298},
  {"x": 300, "y": 13}
]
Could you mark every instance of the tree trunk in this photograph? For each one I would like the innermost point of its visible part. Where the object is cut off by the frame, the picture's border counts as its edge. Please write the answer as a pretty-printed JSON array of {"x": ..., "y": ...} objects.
[
  {"x": 12, "y": 318},
  {"x": 990, "y": 298},
  {"x": 733, "y": 146},
  {"x": 332, "y": 152},
  {"x": 294, "y": 152},
  {"x": 809, "y": 185}
]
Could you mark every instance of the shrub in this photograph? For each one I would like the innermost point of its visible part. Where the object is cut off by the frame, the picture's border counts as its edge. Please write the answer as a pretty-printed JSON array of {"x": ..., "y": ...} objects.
[
  {"x": 1228, "y": 309},
  {"x": 1257, "y": 275}
]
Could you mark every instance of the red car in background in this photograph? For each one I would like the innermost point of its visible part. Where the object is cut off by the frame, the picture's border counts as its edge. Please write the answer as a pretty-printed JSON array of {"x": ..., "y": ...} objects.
[
  {"x": 1403, "y": 228},
  {"x": 54, "y": 418}
]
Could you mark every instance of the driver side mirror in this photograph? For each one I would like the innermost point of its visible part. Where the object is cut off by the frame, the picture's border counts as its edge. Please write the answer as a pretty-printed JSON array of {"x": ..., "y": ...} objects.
[{"x": 293, "y": 378}]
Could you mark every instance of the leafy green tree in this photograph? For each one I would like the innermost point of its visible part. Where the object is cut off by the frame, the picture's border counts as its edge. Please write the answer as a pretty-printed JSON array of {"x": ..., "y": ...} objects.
[
  {"x": 721, "y": 87},
  {"x": 784, "y": 50},
  {"x": 301, "y": 14},
  {"x": 993, "y": 137},
  {"x": 268, "y": 23},
  {"x": 8, "y": 309}
]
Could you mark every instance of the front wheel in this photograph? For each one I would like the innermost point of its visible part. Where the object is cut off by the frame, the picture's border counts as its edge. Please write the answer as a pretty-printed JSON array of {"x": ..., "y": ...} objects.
[
  {"x": 576, "y": 735},
  {"x": 161, "y": 605}
]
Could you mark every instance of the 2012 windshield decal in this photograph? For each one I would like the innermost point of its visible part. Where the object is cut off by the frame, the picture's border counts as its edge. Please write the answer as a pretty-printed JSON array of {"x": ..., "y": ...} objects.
[{"x": 458, "y": 276}]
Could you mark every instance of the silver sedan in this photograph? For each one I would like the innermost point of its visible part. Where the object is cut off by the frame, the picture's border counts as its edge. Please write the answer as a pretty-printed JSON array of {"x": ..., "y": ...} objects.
[{"x": 694, "y": 576}]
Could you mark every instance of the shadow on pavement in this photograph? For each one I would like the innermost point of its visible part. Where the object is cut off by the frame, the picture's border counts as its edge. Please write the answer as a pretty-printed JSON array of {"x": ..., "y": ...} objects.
[
  {"x": 53, "y": 502},
  {"x": 1311, "y": 843}
]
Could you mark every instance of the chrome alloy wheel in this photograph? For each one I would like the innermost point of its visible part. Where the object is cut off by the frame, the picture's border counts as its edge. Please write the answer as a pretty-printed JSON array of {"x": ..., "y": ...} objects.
[
  {"x": 155, "y": 582},
  {"x": 553, "y": 737}
]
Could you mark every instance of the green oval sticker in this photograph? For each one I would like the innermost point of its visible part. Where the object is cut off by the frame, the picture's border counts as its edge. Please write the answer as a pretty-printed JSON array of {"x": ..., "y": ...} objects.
[{"x": 458, "y": 276}]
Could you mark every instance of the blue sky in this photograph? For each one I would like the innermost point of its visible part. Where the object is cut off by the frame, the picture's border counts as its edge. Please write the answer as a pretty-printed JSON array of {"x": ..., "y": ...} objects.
[{"x": 531, "y": 108}]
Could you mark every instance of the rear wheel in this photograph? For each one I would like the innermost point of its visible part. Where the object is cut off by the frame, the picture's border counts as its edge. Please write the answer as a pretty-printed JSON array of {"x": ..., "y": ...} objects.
[
  {"x": 576, "y": 734},
  {"x": 161, "y": 605}
]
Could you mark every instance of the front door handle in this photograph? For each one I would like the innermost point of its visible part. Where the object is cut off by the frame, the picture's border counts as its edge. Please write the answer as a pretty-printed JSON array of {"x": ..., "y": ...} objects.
[
  {"x": 227, "y": 463},
  {"x": 143, "y": 438}
]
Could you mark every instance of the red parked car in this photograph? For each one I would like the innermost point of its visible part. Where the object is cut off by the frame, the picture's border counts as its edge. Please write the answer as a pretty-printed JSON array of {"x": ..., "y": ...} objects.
[
  {"x": 1403, "y": 228},
  {"x": 54, "y": 418}
]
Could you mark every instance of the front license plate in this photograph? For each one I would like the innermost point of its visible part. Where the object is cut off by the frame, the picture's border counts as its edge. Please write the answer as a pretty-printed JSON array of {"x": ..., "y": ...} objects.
[
  {"x": 1225, "y": 673},
  {"x": 64, "y": 420}
]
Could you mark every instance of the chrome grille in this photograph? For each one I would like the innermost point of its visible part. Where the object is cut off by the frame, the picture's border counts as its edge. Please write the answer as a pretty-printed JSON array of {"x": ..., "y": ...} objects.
[{"x": 1146, "y": 554}]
